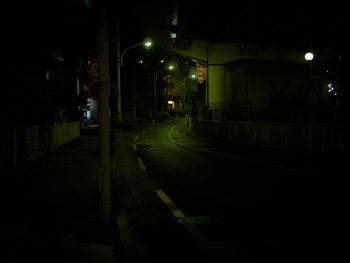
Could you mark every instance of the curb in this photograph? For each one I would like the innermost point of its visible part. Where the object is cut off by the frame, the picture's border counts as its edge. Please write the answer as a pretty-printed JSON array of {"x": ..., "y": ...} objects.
[{"x": 236, "y": 157}]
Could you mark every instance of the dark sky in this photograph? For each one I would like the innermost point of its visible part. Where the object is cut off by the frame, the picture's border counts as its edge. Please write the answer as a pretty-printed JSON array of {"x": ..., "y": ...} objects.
[
  {"x": 287, "y": 23},
  {"x": 295, "y": 24}
]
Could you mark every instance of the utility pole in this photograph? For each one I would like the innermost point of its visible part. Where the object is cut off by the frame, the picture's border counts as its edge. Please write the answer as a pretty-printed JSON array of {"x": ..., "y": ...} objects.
[
  {"x": 207, "y": 80},
  {"x": 118, "y": 93},
  {"x": 103, "y": 112},
  {"x": 134, "y": 91}
]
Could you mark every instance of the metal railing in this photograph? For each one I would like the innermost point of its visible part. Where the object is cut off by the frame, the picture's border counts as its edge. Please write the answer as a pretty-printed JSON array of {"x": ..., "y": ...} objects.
[{"x": 313, "y": 139}]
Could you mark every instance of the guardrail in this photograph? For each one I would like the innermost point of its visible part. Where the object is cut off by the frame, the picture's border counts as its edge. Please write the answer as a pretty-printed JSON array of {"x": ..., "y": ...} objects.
[{"x": 313, "y": 139}]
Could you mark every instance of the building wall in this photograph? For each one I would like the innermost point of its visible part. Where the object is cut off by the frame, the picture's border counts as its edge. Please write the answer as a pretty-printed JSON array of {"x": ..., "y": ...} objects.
[
  {"x": 251, "y": 90},
  {"x": 24, "y": 143},
  {"x": 216, "y": 84},
  {"x": 260, "y": 83},
  {"x": 269, "y": 91}
]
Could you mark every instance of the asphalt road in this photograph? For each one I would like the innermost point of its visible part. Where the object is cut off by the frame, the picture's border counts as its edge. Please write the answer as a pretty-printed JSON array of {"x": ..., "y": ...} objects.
[{"x": 182, "y": 202}]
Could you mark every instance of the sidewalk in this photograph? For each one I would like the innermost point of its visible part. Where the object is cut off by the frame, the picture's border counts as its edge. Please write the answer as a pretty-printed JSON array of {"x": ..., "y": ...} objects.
[{"x": 51, "y": 208}]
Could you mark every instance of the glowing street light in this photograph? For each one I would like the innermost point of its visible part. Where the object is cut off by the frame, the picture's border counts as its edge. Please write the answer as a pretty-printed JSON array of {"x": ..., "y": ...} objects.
[
  {"x": 148, "y": 44},
  {"x": 309, "y": 56}
]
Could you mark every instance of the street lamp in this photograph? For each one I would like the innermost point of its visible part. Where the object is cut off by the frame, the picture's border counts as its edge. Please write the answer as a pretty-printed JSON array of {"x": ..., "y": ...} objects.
[
  {"x": 190, "y": 77},
  {"x": 309, "y": 56},
  {"x": 147, "y": 43}
]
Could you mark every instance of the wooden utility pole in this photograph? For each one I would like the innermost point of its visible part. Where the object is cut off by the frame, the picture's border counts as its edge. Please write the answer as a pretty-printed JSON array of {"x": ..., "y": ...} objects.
[
  {"x": 118, "y": 92},
  {"x": 103, "y": 112}
]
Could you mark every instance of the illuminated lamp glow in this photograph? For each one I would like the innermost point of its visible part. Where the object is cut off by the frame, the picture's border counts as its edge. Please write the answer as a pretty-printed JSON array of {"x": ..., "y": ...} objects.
[{"x": 309, "y": 56}]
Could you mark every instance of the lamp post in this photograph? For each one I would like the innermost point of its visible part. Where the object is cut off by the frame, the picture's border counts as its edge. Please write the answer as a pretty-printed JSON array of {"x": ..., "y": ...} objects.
[
  {"x": 147, "y": 43},
  {"x": 309, "y": 56},
  {"x": 190, "y": 77}
]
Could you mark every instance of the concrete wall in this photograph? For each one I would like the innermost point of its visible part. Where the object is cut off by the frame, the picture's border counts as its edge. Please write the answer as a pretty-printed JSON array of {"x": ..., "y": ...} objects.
[
  {"x": 216, "y": 84},
  {"x": 274, "y": 91},
  {"x": 65, "y": 132},
  {"x": 247, "y": 76},
  {"x": 22, "y": 144},
  {"x": 262, "y": 91},
  {"x": 222, "y": 53}
]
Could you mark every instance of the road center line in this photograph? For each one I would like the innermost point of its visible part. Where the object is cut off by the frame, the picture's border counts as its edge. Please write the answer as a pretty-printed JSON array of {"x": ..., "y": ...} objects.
[
  {"x": 134, "y": 147},
  {"x": 141, "y": 164},
  {"x": 136, "y": 138}
]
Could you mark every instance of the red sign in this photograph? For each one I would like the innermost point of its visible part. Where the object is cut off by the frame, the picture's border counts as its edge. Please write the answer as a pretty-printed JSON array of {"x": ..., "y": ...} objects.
[
  {"x": 92, "y": 89},
  {"x": 93, "y": 69}
]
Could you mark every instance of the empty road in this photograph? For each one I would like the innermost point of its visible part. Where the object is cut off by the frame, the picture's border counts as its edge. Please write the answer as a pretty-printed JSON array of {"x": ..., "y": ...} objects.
[{"x": 182, "y": 199}]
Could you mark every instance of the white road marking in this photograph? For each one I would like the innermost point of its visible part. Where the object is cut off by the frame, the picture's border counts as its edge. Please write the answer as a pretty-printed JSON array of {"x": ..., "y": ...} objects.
[
  {"x": 176, "y": 212},
  {"x": 237, "y": 157},
  {"x": 192, "y": 229},
  {"x": 141, "y": 164}
]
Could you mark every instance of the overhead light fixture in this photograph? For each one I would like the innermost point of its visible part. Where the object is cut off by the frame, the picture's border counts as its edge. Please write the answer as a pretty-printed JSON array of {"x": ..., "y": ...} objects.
[
  {"x": 148, "y": 44},
  {"x": 309, "y": 56}
]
